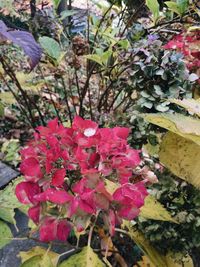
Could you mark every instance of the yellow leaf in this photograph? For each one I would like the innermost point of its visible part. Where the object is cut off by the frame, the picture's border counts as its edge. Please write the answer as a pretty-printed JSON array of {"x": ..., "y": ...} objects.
[
  {"x": 154, "y": 256},
  {"x": 190, "y": 105},
  {"x": 23, "y": 77},
  {"x": 152, "y": 150},
  {"x": 145, "y": 262},
  {"x": 85, "y": 258},
  {"x": 154, "y": 210},
  {"x": 1, "y": 70},
  {"x": 111, "y": 186},
  {"x": 156, "y": 259},
  {"x": 182, "y": 157},
  {"x": 186, "y": 127},
  {"x": 7, "y": 98},
  {"x": 38, "y": 261},
  {"x": 42, "y": 253},
  {"x": 178, "y": 260},
  {"x": 26, "y": 81}
]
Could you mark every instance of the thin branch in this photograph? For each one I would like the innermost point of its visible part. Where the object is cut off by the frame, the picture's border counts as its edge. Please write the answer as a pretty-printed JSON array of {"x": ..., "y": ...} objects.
[
  {"x": 66, "y": 99},
  {"x": 54, "y": 105},
  {"x": 25, "y": 96},
  {"x": 85, "y": 88},
  {"x": 101, "y": 22},
  {"x": 31, "y": 119}
]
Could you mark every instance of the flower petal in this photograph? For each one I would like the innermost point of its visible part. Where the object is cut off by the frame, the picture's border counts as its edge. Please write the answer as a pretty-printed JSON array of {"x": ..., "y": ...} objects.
[
  {"x": 30, "y": 167},
  {"x": 26, "y": 191},
  {"x": 58, "y": 177},
  {"x": 55, "y": 196},
  {"x": 34, "y": 213}
]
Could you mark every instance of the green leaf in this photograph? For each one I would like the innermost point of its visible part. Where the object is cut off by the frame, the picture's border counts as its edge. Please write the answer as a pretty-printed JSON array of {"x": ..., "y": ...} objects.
[
  {"x": 124, "y": 44},
  {"x": 183, "y": 5},
  {"x": 56, "y": 3},
  {"x": 182, "y": 157},
  {"x": 153, "y": 5},
  {"x": 10, "y": 149},
  {"x": 103, "y": 5},
  {"x": 5, "y": 234},
  {"x": 96, "y": 58},
  {"x": 51, "y": 47},
  {"x": 191, "y": 105},
  {"x": 147, "y": 104},
  {"x": 154, "y": 210},
  {"x": 106, "y": 56},
  {"x": 180, "y": 7},
  {"x": 173, "y": 7},
  {"x": 68, "y": 13},
  {"x": 7, "y": 215},
  {"x": 186, "y": 127},
  {"x": 85, "y": 258},
  {"x": 9, "y": 202}
]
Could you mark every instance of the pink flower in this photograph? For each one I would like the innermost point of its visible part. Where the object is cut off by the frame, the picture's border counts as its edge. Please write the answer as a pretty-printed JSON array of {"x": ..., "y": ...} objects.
[
  {"x": 26, "y": 191},
  {"x": 53, "y": 128},
  {"x": 129, "y": 198},
  {"x": 84, "y": 199},
  {"x": 58, "y": 177},
  {"x": 67, "y": 168},
  {"x": 30, "y": 167},
  {"x": 87, "y": 127},
  {"x": 121, "y": 132},
  {"x": 34, "y": 213},
  {"x": 54, "y": 196},
  {"x": 53, "y": 229}
]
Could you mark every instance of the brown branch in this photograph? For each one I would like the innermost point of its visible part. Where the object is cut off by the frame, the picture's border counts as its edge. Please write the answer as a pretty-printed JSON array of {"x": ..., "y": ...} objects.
[
  {"x": 66, "y": 99},
  {"x": 28, "y": 101},
  {"x": 31, "y": 119}
]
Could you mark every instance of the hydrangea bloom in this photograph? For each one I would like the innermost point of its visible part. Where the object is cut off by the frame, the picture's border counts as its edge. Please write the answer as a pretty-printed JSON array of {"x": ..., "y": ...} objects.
[
  {"x": 70, "y": 169},
  {"x": 188, "y": 44}
]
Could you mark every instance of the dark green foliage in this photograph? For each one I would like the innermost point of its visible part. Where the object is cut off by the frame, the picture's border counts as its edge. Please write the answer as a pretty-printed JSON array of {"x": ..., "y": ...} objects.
[
  {"x": 183, "y": 202},
  {"x": 14, "y": 22},
  {"x": 158, "y": 75}
]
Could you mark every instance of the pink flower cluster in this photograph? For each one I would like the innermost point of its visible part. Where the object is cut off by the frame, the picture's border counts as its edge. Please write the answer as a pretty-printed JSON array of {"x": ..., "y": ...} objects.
[{"x": 67, "y": 173}]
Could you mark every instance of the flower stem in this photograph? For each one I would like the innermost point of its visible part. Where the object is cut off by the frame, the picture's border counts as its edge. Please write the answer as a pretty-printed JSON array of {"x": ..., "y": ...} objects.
[{"x": 90, "y": 235}]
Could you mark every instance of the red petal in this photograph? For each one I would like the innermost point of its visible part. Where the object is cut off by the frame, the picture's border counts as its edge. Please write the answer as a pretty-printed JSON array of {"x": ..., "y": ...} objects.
[
  {"x": 63, "y": 230},
  {"x": 52, "y": 140},
  {"x": 58, "y": 177},
  {"x": 73, "y": 206},
  {"x": 83, "y": 205},
  {"x": 128, "y": 212},
  {"x": 87, "y": 127},
  {"x": 30, "y": 167},
  {"x": 28, "y": 152},
  {"x": 78, "y": 123},
  {"x": 34, "y": 213},
  {"x": 25, "y": 192},
  {"x": 48, "y": 229},
  {"x": 55, "y": 196},
  {"x": 53, "y": 124},
  {"x": 121, "y": 132},
  {"x": 133, "y": 156}
]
